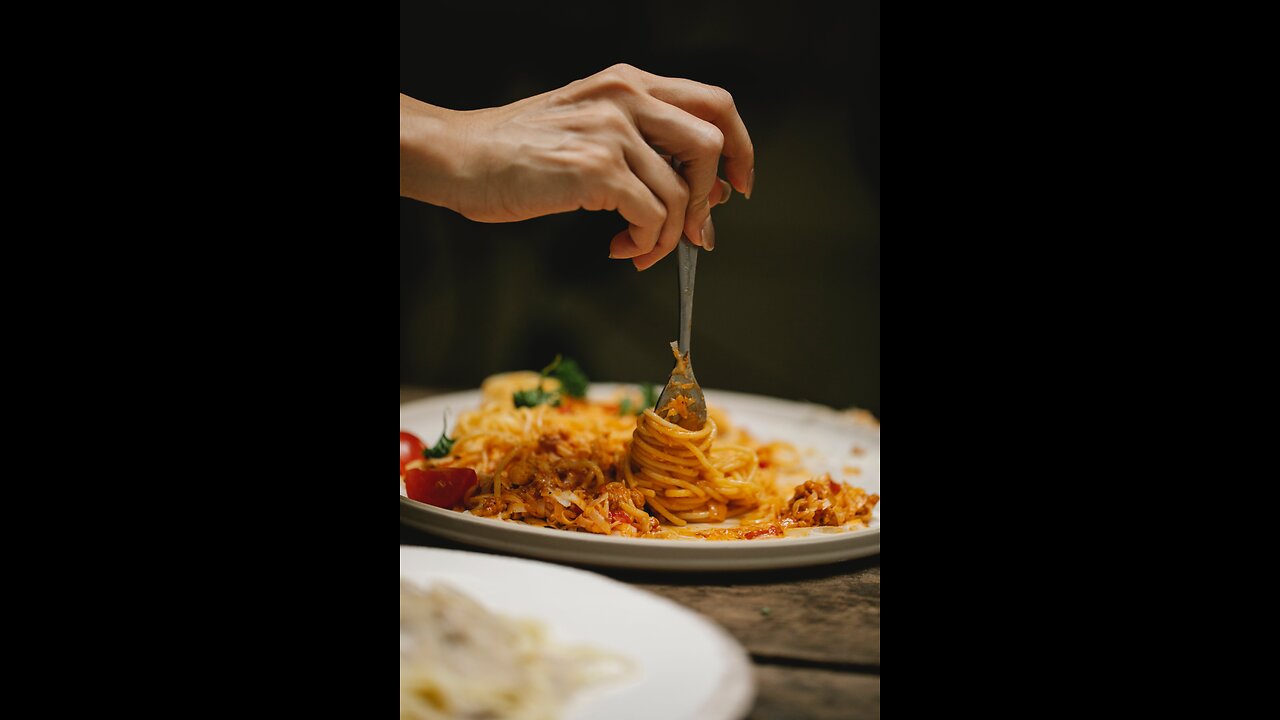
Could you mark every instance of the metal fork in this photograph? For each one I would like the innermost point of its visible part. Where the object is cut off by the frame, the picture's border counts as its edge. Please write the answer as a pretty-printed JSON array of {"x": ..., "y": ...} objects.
[{"x": 691, "y": 412}]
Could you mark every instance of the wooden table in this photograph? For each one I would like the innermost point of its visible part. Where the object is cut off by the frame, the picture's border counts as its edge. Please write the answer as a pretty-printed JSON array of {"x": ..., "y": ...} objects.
[{"x": 813, "y": 633}]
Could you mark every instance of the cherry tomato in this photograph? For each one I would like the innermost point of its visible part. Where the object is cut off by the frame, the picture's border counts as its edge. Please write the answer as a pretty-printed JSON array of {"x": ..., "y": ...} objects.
[
  {"x": 442, "y": 487},
  {"x": 410, "y": 449}
]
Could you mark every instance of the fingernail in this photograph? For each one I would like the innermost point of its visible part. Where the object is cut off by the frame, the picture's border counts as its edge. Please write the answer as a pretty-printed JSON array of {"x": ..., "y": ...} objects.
[
  {"x": 726, "y": 191},
  {"x": 611, "y": 257},
  {"x": 751, "y": 184},
  {"x": 709, "y": 235}
]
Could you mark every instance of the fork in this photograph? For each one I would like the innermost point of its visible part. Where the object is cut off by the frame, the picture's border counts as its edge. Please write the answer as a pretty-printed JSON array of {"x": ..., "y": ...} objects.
[{"x": 681, "y": 401}]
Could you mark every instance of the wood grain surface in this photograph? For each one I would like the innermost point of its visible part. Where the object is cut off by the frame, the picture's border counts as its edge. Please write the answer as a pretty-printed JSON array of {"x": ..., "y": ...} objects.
[
  {"x": 810, "y": 694},
  {"x": 829, "y": 614}
]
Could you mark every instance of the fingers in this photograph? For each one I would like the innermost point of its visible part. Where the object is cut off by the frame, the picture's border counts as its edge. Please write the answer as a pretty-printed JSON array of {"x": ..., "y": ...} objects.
[
  {"x": 695, "y": 143},
  {"x": 642, "y": 210},
  {"x": 714, "y": 105},
  {"x": 661, "y": 250},
  {"x": 662, "y": 181},
  {"x": 646, "y": 261},
  {"x": 697, "y": 124},
  {"x": 721, "y": 193},
  {"x": 623, "y": 247}
]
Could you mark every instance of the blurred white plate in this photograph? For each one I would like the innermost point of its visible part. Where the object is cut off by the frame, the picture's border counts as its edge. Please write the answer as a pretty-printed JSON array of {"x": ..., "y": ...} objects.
[
  {"x": 684, "y": 666},
  {"x": 826, "y": 438}
]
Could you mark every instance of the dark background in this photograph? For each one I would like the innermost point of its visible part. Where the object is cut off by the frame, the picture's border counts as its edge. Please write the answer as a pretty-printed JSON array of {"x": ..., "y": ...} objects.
[{"x": 788, "y": 305}]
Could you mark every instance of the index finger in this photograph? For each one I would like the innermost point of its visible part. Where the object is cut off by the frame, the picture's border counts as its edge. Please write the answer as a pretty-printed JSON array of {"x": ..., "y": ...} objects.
[{"x": 716, "y": 106}]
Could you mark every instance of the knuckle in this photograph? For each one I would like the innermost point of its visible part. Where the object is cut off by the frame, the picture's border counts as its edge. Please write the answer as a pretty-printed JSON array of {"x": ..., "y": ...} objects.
[
  {"x": 614, "y": 85},
  {"x": 649, "y": 211},
  {"x": 659, "y": 212},
  {"x": 721, "y": 98},
  {"x": 710, "y": 139},
  {"x": 620, "y": 78},
  {"x": 682, "y": 195},
  {"x": 614, "y": 118}
]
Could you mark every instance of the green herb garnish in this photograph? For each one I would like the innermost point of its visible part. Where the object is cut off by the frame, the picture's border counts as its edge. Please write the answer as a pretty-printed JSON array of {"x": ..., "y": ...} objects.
[
  {"x": 572, "y": 382},
  {"x": 444, "y": 445},
  {"x": 569, "y": 374},
  {"x": 536, "y": 396}
]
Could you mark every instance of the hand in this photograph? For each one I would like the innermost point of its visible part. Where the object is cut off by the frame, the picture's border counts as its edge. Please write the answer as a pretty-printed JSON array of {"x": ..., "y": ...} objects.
[{"x": 596, "y": 144}]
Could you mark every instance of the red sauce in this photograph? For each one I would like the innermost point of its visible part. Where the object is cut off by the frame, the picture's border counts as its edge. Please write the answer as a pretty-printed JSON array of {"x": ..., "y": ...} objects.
[{"x": 771, "y": 531}]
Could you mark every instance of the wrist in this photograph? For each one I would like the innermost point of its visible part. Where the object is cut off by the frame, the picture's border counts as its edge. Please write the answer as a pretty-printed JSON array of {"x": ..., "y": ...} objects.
[{"x": 431, "y": 157}]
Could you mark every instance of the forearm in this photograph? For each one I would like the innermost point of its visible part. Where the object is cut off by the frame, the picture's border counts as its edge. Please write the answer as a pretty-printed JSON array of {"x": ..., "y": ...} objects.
[{"x": 430, "y": 152}]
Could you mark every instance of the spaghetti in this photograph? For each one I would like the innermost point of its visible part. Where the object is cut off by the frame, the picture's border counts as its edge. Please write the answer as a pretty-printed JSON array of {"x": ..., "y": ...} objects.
[
  {"x": 684, "y": 479},
  {"x": 585, "y": 466}
]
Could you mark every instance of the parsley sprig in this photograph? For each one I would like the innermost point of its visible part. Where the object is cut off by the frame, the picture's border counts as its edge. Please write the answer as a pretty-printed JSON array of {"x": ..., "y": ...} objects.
[
  {"x": 573, "y": 382},
  {"x": 444, "y": 445}
]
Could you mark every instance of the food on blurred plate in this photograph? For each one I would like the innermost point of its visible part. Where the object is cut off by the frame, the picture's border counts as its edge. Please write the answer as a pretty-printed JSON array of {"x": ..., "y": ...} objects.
[
  {"x": 458, "y": 661},
  {"x": 537, "y": 451}
]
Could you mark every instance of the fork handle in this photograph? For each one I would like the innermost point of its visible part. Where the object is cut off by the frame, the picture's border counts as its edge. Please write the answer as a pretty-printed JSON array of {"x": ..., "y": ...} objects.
[{"x": 687, "y": 254}]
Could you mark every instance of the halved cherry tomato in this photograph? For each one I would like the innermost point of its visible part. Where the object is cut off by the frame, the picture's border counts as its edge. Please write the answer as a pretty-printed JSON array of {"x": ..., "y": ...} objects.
[
  {"x": 620, "y": 516},
  {"x": 411, "y": 449},
  {"x": 442, "y": 487}
]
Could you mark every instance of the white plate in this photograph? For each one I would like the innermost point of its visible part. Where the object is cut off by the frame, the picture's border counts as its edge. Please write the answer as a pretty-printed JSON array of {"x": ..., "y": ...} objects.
[
  {"x": 825, "y": 437},
  {"x": 685, "y": 667}
]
